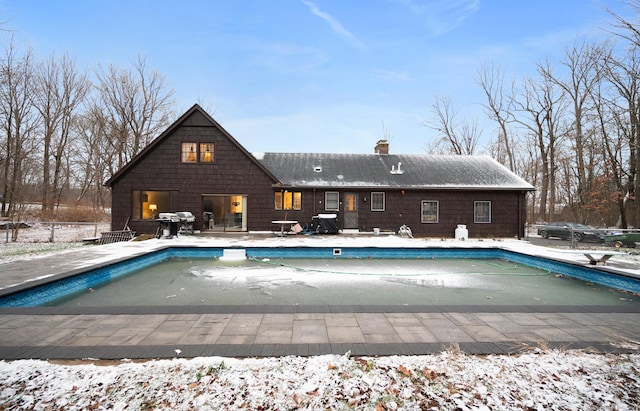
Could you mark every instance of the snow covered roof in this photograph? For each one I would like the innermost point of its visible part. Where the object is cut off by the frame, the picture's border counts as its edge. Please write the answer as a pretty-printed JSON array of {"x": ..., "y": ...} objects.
[{"x": 391, "y": 171}]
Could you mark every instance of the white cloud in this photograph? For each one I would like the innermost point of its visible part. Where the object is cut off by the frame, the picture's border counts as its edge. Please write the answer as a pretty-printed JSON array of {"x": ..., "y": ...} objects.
[
  {"x": 442, "y": 16},
  {"x": 335, "y": 25},
  {"x": 287, "y": 58}
]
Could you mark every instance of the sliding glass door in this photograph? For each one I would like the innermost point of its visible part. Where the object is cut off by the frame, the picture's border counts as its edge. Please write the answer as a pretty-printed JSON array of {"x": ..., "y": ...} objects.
[{"x": 224, "y": 212}]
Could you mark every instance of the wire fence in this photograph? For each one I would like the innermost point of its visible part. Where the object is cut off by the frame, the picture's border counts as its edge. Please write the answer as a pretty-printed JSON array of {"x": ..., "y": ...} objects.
[{"x": 52, "y": 231}]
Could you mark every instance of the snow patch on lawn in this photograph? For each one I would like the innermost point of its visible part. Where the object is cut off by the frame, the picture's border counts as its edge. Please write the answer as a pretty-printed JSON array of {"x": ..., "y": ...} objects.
[{"x": 553, "y": 380}]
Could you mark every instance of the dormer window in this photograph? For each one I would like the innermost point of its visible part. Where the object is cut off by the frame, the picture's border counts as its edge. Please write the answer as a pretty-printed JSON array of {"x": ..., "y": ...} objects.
[
  {"x": 192, "y": 152},
  {"x": 189, "y": 152},
  {"x": 206, "y": 152}
]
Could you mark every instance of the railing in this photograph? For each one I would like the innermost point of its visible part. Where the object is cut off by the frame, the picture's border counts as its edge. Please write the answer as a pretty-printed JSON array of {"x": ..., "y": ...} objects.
[{"x": 109, "y": 237}]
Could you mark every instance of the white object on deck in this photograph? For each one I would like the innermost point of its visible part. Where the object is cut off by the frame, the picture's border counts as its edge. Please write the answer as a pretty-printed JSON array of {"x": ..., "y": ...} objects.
[{"x": 461, "y": 232}]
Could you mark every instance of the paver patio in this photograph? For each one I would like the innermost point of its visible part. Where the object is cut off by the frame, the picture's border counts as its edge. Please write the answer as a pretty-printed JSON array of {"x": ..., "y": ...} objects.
[{"x": 164, "y": 332}]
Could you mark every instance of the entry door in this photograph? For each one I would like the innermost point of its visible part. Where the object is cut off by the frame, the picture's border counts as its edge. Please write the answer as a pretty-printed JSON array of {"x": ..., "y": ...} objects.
[{"x": 350, "y": 210}]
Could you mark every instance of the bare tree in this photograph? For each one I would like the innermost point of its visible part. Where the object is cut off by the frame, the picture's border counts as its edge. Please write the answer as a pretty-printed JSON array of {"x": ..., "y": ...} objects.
[
  {"x": 454, "y": 138},
  {"x": 630, "y": 33},
  {"x": 500, "y": 109},
  {"x": 135, "y": 105},
  {"x": 17, "y": 123},
  {"x": 619, "y": 117},
  {"x": 540, "y": 104},
  {"x": 630, "y": 29},
  {"x": 60, "y": 91},
  {"x": 92, "y": 155},
  {"x": 584, "y": 74}
]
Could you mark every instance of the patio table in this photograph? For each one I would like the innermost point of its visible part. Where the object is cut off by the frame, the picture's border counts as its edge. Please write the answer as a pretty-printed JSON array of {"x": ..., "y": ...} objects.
[{"x": 283, "y": 223}]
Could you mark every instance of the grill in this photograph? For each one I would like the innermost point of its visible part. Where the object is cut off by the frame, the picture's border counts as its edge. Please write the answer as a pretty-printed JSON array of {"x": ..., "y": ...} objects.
[
  {"x": 187, "y": 221},
  {"x": 169, "y": 223},
  {"x": 325, "y": 224}
]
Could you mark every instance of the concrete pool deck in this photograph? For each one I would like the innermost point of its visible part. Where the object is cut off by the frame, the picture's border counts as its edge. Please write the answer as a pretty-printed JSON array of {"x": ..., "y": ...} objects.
[{"x": 240, "y": 331}]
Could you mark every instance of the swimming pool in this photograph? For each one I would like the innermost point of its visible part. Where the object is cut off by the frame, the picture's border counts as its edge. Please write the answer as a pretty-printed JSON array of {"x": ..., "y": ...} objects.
[{"x": 403, "y": 276}]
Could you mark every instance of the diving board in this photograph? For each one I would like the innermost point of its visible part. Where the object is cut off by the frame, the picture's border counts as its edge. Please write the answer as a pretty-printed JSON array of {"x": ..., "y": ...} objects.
[{"x": 594, "y": 256}]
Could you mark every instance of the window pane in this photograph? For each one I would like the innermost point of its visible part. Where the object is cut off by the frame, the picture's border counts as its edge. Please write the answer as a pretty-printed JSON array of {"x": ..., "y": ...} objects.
[
  {"x": 377, "y": 201},
  {"x": 297, "y": 201},
  {"x": 147, "y": 205},
  {"x": 430, "y": 211},
  {"x": 278, "y": 200},
  {"x": 188, "y": 154},
  {"x": 288, "y": 200},
  {"x": 206, "y": 152},
  {"x": 482, "y": 211},
  {"x": 350, "y": 202},
  {"x": 331, "y": 200}
]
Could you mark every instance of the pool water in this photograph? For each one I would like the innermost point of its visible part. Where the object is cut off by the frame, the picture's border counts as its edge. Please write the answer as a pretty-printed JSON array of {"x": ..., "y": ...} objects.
[{"x": 299, "y": 281}]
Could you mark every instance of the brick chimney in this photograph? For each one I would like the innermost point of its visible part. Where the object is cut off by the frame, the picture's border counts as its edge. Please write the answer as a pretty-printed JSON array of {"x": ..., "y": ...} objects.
[{"x": 382, "y": 147}]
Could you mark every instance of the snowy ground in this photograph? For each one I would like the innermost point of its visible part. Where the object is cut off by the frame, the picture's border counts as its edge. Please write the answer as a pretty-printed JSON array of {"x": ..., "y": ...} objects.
[
  {"x": 539, "y": 380},
  {"x": 532, "y": 380},
  {"x": 35, "y": 241}
]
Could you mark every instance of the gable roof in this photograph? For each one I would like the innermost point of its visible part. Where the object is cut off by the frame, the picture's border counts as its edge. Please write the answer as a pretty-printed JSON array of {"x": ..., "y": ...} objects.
[
  {"x": 167, "y": 133},
  {"x": 417, "y": 171},
  {"x": 330, "y": 170}
]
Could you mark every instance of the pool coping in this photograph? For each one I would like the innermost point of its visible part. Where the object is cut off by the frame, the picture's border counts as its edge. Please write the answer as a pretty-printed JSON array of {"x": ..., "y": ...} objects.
[
  {"x": 154, "y": 352},
  {"x": 306, "y": 309}
]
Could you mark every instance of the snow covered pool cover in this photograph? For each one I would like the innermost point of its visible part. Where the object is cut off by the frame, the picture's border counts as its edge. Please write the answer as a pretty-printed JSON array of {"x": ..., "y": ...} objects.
[{"x": 330, "y": 276}]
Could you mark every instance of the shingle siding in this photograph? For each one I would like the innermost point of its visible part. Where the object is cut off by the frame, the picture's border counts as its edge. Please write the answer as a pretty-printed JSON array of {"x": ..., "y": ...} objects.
[
  {"x": 232, "y": 172},
  {"x": 455, "y": 208}
]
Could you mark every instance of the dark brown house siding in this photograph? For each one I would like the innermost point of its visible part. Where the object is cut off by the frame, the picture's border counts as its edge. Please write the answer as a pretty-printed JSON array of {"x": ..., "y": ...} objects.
[
  {"x": 405, "y": 207},
  {"x": 160, "y": 169}
]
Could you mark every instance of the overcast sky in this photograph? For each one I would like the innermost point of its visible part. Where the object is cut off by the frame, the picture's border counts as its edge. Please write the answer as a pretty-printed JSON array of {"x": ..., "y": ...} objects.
[{"x": 314, "y": 75}]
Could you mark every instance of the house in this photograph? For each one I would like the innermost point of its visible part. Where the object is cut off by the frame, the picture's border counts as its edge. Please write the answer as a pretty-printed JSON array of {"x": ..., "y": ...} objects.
[{"x": 197, "y": 166}]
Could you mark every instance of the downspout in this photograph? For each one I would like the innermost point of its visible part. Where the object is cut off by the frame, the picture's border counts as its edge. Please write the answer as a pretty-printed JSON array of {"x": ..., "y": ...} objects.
[
  {"x": 521, "y": 228},
  {"x": 314, "y": 201}
]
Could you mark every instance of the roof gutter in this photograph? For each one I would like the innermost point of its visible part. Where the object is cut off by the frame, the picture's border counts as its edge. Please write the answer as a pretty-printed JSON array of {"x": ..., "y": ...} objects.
[{"x": 400, "y": 187}]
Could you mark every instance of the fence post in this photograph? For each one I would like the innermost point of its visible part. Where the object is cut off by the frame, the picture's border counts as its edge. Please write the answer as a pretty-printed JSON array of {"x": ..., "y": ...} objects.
[
  {"x": 53, "y": 232},
  {"x": 574, "y": 243}
]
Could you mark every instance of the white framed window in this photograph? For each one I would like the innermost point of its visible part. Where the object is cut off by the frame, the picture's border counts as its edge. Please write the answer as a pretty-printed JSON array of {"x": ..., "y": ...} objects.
[
  {"x": 482, "y": 211},
  {"x": 332, "y": 201},
  {"x": 377, "y": 201},
  {"x": 430, "y": 211}
]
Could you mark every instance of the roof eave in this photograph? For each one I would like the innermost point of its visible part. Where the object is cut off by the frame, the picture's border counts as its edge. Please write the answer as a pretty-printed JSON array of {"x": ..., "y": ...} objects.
[{"x": 403, "y": 187}]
